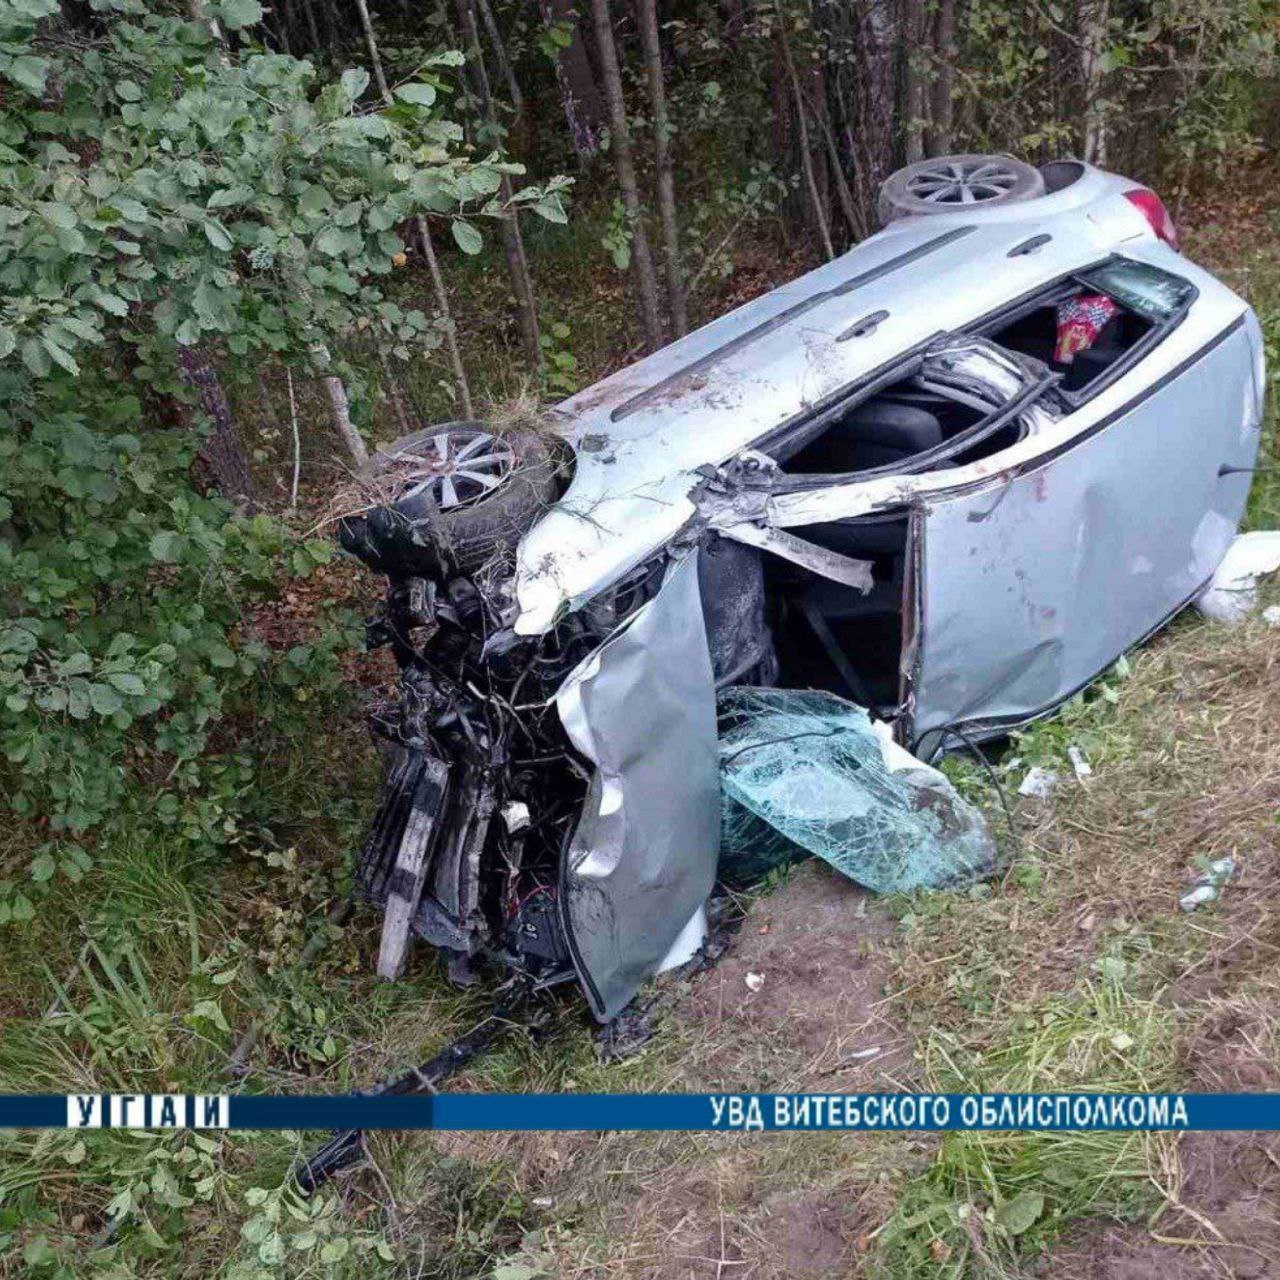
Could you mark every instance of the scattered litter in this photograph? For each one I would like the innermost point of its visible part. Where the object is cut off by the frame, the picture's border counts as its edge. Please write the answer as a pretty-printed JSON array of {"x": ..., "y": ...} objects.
[
  {"x": 1271, "y": 615},
  {"x": 1208, "y": 885},
  {"x": 754, "y": 981},
  {"x": 1039, "y": 783},
  {"x": 542, "y": 1202},
  {"x": 808, "y": 772},
  {"x": 1122, "y": 1040},
  {"x": 1233, "y": 593},
  {"x": 1083, "y": 769}
]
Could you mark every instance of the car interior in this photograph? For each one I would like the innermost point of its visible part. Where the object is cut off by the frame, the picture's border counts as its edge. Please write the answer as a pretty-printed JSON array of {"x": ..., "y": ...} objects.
[
  {"x": 1035, "y": 333},
  {"x": 834, "y": 636}
]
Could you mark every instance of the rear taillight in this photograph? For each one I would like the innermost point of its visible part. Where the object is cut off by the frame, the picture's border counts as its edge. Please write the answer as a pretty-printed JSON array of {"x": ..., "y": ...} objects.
[{"x": 1152, "y": 208}]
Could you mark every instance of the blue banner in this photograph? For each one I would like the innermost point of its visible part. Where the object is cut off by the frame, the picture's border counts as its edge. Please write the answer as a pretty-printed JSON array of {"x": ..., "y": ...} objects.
[{"x": 636, "y": 1111}]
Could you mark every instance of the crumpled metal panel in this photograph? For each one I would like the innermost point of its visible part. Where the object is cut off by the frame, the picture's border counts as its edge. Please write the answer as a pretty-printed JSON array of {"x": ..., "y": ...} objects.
[
  {"x": 1034, "y": 583},
  {"x": 643, "y": 858}
]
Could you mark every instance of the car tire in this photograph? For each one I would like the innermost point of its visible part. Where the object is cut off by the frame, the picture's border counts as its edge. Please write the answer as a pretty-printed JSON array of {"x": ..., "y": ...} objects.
[
  {"x": 405, "y": 536},
  {"x": 957, "y": 184}
]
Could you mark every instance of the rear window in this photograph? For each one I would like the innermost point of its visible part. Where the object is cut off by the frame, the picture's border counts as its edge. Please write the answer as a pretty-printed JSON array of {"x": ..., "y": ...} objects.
[
  {"x": 1092, "y": 327},
  {"x": 1151, "y": 293}
]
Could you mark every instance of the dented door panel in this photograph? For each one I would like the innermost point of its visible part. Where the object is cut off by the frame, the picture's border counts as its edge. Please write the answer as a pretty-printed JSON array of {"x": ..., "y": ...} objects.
[
  {"x": 643, "y": 858},
  {"x": 1032, "y": 584}
]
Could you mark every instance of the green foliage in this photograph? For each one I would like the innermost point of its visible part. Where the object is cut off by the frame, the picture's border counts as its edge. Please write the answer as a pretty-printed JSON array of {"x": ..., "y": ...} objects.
[
  {"x": 158, "y": 191},
  {"x": 1178, "y": 80},
  {"x": 117, "y": 658},
  {"x": 559, "y": 364},
  {"x": 178, "y": 195}
]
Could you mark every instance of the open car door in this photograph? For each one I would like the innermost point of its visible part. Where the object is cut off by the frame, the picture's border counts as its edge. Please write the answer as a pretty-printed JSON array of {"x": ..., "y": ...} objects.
[
  {"x": 642, "y": 861},
  {"x": 1029, "y": 584}
]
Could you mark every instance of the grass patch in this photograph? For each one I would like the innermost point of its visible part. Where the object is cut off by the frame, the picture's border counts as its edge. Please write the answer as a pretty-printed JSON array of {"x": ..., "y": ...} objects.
[{"x": 988, "y": 1200}]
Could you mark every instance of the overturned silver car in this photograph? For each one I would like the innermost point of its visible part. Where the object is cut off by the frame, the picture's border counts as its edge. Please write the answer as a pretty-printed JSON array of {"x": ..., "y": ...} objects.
[{"x": 950, "y": 476}]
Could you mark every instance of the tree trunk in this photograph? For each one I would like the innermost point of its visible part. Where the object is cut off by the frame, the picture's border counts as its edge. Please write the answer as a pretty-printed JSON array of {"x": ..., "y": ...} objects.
[
  {"x": 512, "y": 241},
  {"x": 1093, "y": 15},
  {"x": 848, "y": 206},
  {"x": 624, "y": 167},
  {"x": 312, "y": 30},
  {"x": 442, "y": 305},
  {"x": 579, "y": 93},
  {"x": 944, "y": 64},
  {"x": 915, "y": 104},
  {"x": 424, "y": 236},
  {"x": 647, "y": 14},
  {"x": 341, "y": 406},
  {"x": 806, "y": 158},
  {"x": 500, "y": 54},
  {"x": 222, "y": 450},
  {"x": 366, "y": 25},
  {"x": 860, "y": 104}
]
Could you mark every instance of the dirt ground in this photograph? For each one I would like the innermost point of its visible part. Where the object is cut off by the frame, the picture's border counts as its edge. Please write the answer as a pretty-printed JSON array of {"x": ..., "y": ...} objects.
[{"x": 809, "y": 964}]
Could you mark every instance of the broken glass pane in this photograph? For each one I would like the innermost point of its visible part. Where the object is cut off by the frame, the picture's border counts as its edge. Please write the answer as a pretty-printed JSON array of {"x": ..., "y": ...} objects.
[{"x": 805, "y": 771}]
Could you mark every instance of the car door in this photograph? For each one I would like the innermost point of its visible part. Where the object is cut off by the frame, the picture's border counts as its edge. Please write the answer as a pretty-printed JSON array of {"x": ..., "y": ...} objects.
[
  {"x": 1031, "y": 583},
  {"x": 642, "y": 710}
]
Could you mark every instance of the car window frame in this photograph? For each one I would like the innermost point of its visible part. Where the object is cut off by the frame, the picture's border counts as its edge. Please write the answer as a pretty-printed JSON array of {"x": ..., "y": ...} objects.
[
  {"x": 806, "y": 427},
  {"x": 1140, "y": 349}
]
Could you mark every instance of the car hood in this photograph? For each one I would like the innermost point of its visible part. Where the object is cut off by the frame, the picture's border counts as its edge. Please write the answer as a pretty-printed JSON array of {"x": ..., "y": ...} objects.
[{"x": 641, "y": 435}]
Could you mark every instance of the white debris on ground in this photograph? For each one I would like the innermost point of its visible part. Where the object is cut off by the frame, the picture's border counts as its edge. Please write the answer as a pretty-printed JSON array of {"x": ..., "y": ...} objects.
[
  {"x": 1208, "y": 885},
  {"x": 1039, "y": 783},
  {"x": 754, "y": 981},
  {"x": 1083, "y": 769},
  {"x": 1271, "y": 615},
  {"x": 1233, "y": 593}
]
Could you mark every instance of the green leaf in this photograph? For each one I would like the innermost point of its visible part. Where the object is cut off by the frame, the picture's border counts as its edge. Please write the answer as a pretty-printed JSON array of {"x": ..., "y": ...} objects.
[
  {"x": 7, "y": 342},
  {"x": 35, "y": 357},
  {"x": 29, "y": 73},
  {"x": 551, "y": 208},
  {"x": 60, "y": 355},
  {"x": 212, "y": 1010},
  {"x": 104, "y": 699},
  {"x": 229, "y": 196},
  {"x": 167, "y": 546},
  {"x": 217, "y": 235},
  {"x": 37, "y": 1252},
  {"x": 331, "y": 241},
  {"x": 111, "y": 302},
  {"x": 221, "y": 656},
  {"x": 420, "y": 95},
  {"x": 240, "y": 13},
  {"x": 131, "y": 210},
  {"x": 42, "y": 867},
  {"x": 128, "y": 91},
  {"x": 77, "y": 664},
  {"x": 468, "y": 239},
  {"x": 1021, "y": 1213},
  {"x": 354, "y": 81},
  {"x": 335, "y": 1250},
  {"x": 127, "y": 683},
  {"x": 57, "y": 214}
]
